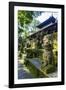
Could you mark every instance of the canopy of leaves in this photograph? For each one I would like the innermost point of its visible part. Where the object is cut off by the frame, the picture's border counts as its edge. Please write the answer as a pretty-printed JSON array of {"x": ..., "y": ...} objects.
[{"x": 24, "y": 17}]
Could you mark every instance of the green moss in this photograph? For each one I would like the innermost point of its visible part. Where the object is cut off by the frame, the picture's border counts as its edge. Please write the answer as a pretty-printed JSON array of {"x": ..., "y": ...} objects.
[
  {"x": 50, "y": 69},
  {"x": 34, "y": 53},
  {"x": 37, "y": 73},
  {"x": 32, "y": 69}
]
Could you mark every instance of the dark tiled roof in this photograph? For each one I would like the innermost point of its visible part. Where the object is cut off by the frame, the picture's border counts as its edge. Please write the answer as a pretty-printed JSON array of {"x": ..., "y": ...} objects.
[{"x": 47, "y": 22}]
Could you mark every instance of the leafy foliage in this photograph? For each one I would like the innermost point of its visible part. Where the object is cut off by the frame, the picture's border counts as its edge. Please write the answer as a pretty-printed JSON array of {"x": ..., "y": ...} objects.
[
  {"x": 24, "y": 17},
  {"x": 26, "y": 25}
]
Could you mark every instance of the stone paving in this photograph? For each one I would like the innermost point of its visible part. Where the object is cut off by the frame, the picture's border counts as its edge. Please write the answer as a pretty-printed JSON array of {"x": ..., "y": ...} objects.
[{"x": 23, "y": 72}]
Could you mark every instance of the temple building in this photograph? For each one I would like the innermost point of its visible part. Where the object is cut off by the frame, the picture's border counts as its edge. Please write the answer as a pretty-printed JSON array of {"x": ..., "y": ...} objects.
[{"x": 40, "y": 44}]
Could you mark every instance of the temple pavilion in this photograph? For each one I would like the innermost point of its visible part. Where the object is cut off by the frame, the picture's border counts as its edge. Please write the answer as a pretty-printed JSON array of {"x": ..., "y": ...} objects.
[{"x": 40, "y": 45}]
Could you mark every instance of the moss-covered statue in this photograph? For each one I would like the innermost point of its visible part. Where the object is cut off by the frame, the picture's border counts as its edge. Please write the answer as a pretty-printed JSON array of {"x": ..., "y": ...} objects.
[{"x": 47, "y": 45}]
